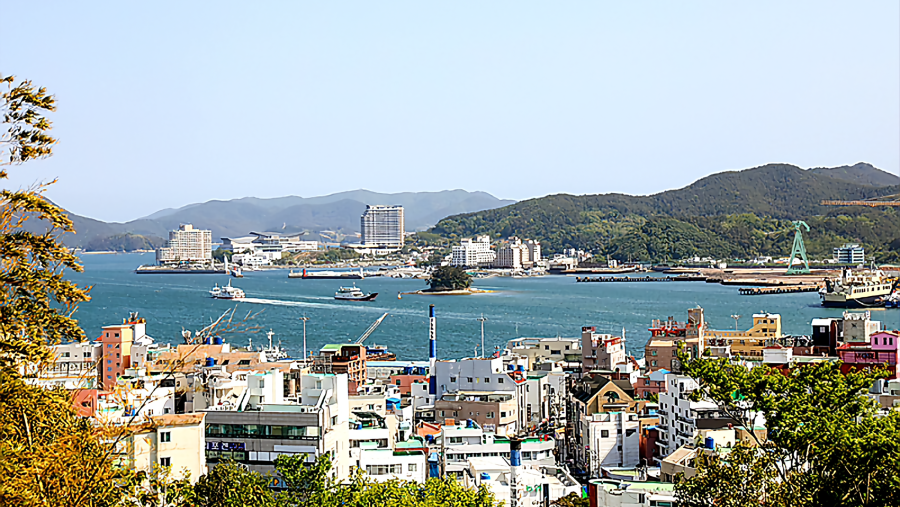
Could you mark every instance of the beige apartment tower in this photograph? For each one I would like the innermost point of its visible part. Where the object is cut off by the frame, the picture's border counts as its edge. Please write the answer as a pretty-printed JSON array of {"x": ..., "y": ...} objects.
[{"x": 382, "y": 226}]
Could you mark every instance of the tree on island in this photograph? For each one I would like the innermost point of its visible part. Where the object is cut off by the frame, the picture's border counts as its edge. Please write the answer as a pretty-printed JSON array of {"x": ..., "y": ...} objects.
[{"x": 446, "y": 278}]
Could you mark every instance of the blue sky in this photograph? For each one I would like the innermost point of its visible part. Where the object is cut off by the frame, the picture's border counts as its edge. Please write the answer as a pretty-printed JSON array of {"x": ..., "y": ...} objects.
[{"x": 163, "y": 104}]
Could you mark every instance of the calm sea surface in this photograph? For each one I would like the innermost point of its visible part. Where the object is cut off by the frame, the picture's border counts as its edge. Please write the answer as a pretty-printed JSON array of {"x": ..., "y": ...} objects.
[{"x": 531, "y": 307}]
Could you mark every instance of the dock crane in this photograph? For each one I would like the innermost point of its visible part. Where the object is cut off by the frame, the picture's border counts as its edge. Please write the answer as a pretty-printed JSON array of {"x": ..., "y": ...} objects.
[
  {"x": 798, "y": 251},
  {"x": 371, "y": 330},
  {"x": 887, "y": 200}
]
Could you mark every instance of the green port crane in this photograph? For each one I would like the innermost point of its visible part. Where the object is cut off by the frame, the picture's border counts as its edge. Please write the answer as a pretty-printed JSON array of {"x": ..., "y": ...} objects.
[{"x": 798, "y": 251}]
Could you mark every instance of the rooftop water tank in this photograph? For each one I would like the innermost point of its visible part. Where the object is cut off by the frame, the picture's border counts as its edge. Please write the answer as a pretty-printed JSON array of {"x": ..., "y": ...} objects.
[
  {"x": 485, "y": 476},
  {"x": 520, "y": 368},
  {"x": 510, "y": 367},
  {"x": 217, "y": 340},
  {"x": 710, "y": 443},
  {"x": 210, "y": 362},
  {"x": 470, "y": 423}
]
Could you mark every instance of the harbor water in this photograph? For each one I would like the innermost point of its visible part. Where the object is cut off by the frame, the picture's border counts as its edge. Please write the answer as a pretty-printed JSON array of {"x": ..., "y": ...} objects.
[{"x": 518, "y": 307}]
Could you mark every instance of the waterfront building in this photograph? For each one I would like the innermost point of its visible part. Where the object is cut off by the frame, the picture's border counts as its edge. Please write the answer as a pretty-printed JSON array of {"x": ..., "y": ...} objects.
[
  {"x": 532, "y": 253},
  {"x": 347, "y": 358},
  {"x": 749, "y": 344},
  {"x": 665, "y": 335},
  {"x": 472, "y": 253},
  {"x": 186, "y": 246},
  {"x": 314, "y": 422},
  {"x": 261, "y": 248},
  {"x": 174, "y": 440},
  {"x": 850, "y": 253},
  {"x": 512, "y": 255},
  {"x": 858, "y": 327},
  {"x": 382, "y": 226},
  {"x": 600, "y": 351}
]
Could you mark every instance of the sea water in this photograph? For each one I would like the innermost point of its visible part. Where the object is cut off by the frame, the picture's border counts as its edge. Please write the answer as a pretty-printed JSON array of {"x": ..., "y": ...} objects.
[{"x": 518, "y": 307}]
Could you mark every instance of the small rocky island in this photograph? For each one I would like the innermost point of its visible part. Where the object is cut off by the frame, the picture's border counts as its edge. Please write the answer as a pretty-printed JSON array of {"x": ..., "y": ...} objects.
[{"x": 449, "y": 281}]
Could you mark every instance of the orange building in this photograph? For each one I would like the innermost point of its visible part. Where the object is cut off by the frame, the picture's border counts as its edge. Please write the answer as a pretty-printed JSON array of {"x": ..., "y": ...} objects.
[{"x": 115, "y": 352}]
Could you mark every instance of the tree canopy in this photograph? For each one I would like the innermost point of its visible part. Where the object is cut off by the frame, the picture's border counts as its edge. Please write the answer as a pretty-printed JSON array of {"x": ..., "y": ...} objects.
[
  {"x": 826, "y": 444},
  {"x": 446, "y": 278}
]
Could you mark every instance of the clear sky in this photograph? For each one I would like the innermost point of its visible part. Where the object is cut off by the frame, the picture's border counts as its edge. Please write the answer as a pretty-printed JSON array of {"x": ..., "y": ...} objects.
[{"x": 162, "y": 104}]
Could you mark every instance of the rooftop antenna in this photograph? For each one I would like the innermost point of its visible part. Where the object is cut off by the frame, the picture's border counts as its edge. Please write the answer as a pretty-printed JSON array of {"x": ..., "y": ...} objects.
[
  {"x": 482, "y": 319},
  {"x": 736, "y": 319}
]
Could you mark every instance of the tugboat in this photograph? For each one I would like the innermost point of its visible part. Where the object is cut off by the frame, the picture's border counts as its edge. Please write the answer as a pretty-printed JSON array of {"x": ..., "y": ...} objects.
[
  {"x": 856, "y": 289},
  {"x": 226, "y": 292},
  {"x": 353, "y": 294}
]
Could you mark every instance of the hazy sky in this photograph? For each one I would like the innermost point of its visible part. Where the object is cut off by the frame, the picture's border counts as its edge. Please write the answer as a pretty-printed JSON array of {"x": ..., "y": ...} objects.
[{"x": 164, "y": 104}]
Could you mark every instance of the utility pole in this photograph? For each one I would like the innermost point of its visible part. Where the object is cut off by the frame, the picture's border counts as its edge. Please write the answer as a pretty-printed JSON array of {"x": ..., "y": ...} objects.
[
  {"x": 482, "y": 319},
  {"x": 304, "y": 318},
  {"x": 736, "y": 319}
]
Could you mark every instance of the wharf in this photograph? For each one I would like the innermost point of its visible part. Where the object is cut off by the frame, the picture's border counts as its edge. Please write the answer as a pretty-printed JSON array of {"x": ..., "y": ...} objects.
[
  {"x": 626, "y": 279},
  {"x": 784, "y": 289},
  {"x": 145, "y": 270}
]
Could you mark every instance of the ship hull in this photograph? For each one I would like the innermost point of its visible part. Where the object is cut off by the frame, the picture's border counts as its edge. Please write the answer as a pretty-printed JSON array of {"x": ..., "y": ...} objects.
[
  {"x": 861, "y": 302},
  {"x": 367, "y": 297}
]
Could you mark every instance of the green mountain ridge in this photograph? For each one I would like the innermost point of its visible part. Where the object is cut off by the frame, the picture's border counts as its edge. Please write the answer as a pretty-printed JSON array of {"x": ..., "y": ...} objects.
[{"x": 733, "y": 214}]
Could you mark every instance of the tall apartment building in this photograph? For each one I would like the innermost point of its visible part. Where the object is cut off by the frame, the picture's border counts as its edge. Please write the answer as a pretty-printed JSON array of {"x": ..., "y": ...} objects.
[
  {"x": 382, "y": 226},
  {"x": 516, "y": 254},
  {"x": 850, "y": 253},
  {"x": 533, "y": 249},
  {"x": 473, "y": 253},
  {"x": 186, "y": 245}
]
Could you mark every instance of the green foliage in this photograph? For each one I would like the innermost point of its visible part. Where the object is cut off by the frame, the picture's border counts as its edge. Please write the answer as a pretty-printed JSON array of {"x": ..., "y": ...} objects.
[
  {"x": 446, "y": 278},
  {"x": 338, "y": 255},
  {"x": 572, "y": 500},
  {"x": 124, "y": 243},
  {"x": 220, "y": 254},
  {"x": 726, "y": 215},
  {"x": 229, "y": 484},
  {"x": 826, "y": 445}
]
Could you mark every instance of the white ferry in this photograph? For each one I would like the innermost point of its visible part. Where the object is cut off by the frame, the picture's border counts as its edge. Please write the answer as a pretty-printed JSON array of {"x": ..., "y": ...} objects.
[
  {"x": 856, "y": 289},
  {"x": 226, "y": 292},
  {"x": 353, "y": 294}
]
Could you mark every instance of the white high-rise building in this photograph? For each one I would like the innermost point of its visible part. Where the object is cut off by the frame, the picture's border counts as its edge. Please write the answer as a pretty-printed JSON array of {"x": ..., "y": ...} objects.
[
  {"x": 382, "y": 226},
  {"x": 473, "y": 253},
  {"x": 186, "y": 245},
  {"x": 512, "y": 255},
  {"x": 533, "y": 249}
]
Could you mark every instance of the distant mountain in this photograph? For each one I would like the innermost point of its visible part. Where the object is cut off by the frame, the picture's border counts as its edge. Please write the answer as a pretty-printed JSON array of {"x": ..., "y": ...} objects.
[
  {"x": 861, "y": 173},
  {"x": 729, "y": 214},
  {"x": 238, "y": 217}
]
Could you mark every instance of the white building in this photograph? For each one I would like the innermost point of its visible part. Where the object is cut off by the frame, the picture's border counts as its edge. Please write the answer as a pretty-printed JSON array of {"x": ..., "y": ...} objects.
[
  {"x": 382, "y": 226},
  {"x": 614, "y": 439},
  {"x": 681, "y": 420},
  {"x": 601, "y": 351},
  {"x": 261, "y": 248},
  {"x": 533, "y": 251},
  {"x": 463, "y": 441},
  {"x": 535, "y": 486},
  {"x": 546, "y": 350},
  {"x": 386, "y": 464},
  {"x": 473, "y": 253},
  {"x": 614, "y": 493},
  {"x": 511, "y": 255},
  {"x": 850, "y": 253},
  {"x": 186, "y": 245},
  {"x": 74, "y": 366}
]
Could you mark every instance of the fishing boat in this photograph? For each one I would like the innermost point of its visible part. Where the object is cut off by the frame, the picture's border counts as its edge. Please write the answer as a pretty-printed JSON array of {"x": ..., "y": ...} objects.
[
  {"x": 226, "y": 292},
  {"x": 353, "y": 294}
]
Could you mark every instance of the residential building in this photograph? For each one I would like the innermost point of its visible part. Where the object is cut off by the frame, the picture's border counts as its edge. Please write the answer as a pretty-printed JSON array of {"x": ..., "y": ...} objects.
[
  {"x": 600, "y": 351},
  {"x": 651, "y": 384},
  {"x": 496, "y": 411},
  {"x": 546, "y": 350},
  {"x": 850, "y": 253},
  {"x": 532, "y": 253},
  {"x": 858, "y": 327},
  {"x": 535, "y": 485},
  {"x": 115, "y": 351},
  {"x": 621, "y": 493},
  {"x": 382, "y": 226},
  {"x": 186, "y": 245},
  {"x": 472, "y": 253},
  {"x": 403, "y": 464},
  {"x": 512, "y": 255},
  {"x": 347, "y": 358},
  {"x": 74, "y": 366},
  {"x": 749, "y": 344},
  {"x": 462, "y": 440},
  {"x": 665, "y": 335},
  {"x": 680, "y": 419},
  {"x": 314, "y": 422},
  {"x": 176, "y": 441},
  {"x": 882, "y": 351}
]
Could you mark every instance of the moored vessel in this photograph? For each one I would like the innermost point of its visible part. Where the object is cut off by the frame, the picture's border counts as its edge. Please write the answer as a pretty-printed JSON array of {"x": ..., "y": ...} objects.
[
  {"x": 328, "y": 275},
  {"x": 855, "y": 289}
]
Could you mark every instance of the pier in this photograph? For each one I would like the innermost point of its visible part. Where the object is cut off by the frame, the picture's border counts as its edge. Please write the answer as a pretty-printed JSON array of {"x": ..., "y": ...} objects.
[
  {"x": 625, "y": 279},
  {"x": 785, "y": 289}
]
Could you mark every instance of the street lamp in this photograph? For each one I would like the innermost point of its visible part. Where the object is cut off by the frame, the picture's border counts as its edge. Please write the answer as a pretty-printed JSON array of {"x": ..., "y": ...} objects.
[
  {"x": 482, "y": 319},
  {"x": 304, "y": 318}
]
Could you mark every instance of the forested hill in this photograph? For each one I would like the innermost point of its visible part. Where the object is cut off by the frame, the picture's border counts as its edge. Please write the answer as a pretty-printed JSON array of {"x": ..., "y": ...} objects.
[{"x": 729, "y": 214}]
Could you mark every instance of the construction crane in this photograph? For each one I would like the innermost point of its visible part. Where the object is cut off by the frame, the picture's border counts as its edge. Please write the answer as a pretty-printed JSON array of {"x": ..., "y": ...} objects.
[
  {"x": 371, "y": 329},
  {"x": 887, "y": 200},
  {"x": 798, "y": 251}
]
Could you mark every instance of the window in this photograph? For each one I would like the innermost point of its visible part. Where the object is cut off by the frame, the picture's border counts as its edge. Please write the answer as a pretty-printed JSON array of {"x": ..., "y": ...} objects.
[
  {"x": 384, "y": 469},
  {"x": 490, "y": 415},
  {"x": 502, "y": 414},
  {"x": 225, "y": 362},
  {"x": 469, "y": 379},
  {"x": 652, "y": 352},
  {"x": 109, "y": 345},
  {"x": 452, "y": 379},
  {"x": 604, "y": 433},
  {"x": 243, "y": 362},
  {"x": 546, "y": 347},
  {"x": 66, "y": 354},
  {"x": 413, "y": 467},
  {"x": 371, "y": 407},
  {"x": 166, "y": 462},
  {"x": 455, "y": 413},
  {"x": 165, "y": 436},
  {"x": 118, "y": 355},
  {"x": 500, "y": 380},
  {"x": 653, "y": 363},
  {"x": 456, "y": 440},
  {"x": 87, "y": 354},
  {"x": 108, "y": 369},
  {"x": 487, "y": 380},
  {"x": 442, "y": 413},
  {"x": 117, "y": 335},
  {"x": 109, "y": 377},
  {"x": 567, "y": 347},
  {"x": 398, "y": 382}
]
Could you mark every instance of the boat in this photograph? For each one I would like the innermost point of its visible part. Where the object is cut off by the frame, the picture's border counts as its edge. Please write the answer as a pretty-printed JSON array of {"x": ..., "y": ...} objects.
[
  {"x": 892, "y": 301},
  {"x": 354, "y": 294},
  {"x": 226, "y": 292},
  {"x": 328, "y": 275},
  {"x": 854, "y": 289}
]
